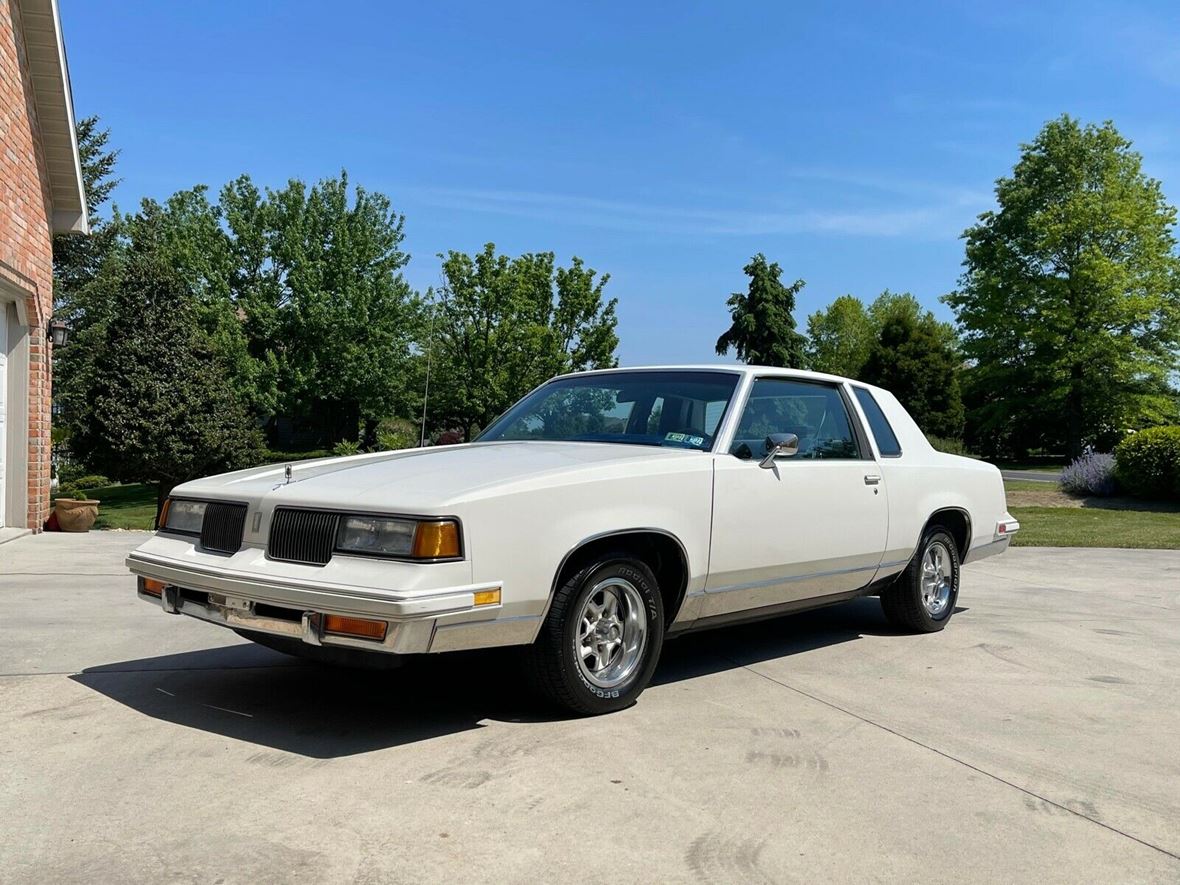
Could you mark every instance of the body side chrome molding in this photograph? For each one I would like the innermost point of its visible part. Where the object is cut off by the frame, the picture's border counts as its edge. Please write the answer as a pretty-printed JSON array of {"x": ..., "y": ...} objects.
[{"x": 989, "y": 548}]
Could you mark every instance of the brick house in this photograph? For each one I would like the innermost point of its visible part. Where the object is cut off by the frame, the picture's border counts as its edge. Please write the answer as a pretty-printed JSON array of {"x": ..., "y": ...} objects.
[{"x": 41, "y": 194}]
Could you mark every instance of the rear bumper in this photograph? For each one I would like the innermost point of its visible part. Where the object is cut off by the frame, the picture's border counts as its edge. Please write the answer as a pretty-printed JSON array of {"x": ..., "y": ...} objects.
[
  {"x": 999, "y": 541},
  {"x": 445, "y": 619}
]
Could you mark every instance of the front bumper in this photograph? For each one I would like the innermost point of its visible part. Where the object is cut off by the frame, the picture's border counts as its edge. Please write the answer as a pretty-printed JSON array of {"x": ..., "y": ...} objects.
[{"x": 445, "y": 619}]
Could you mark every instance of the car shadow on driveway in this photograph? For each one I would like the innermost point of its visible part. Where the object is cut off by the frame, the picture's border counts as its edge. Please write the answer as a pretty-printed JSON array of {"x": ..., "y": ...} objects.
[
  {"x": 726, "y": 648},
  {"x": 252, "y": 694}
]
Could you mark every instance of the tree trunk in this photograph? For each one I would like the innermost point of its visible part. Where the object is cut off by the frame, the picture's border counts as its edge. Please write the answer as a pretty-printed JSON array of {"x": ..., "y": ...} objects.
[
  {"x": 1074, "y": 427},
  {"x": 369, "y": 435}
]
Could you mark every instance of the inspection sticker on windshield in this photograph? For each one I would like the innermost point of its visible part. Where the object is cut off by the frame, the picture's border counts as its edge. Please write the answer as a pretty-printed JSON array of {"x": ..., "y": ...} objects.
[{"x": 684, "y": 438}]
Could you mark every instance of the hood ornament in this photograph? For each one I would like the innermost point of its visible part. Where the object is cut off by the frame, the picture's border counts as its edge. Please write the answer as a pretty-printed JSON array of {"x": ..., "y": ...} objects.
[{"x": 287, "y": 474}]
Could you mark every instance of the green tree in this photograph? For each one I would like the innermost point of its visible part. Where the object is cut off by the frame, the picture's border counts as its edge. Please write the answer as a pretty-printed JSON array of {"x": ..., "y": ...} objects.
[
  {"x": 912, "y": 358},
  {"x": 76, "y": 259},
  {"x": 317, "y": 285},
  {"x": 187, "y": 232},
  {"x": 1070, "y": 299},
  {"x": 153, "y": 407},
  {"x": 763, "y": 327},
  {"x": 503, "y": 325},
  {"x": 839, "y": 338},
  {"x": 76, "y": 262}
]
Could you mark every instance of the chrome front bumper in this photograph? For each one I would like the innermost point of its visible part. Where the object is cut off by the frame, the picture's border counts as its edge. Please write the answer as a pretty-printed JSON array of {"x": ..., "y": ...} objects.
[{"x": 442, "y": 620}]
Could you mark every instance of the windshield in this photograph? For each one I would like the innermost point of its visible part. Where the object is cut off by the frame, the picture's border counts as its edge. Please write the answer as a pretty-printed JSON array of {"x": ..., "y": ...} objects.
[{"x": 678, "y": 409}]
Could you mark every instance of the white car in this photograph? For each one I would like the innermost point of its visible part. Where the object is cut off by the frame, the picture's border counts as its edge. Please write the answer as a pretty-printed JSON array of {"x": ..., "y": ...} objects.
[{"x": 602, "y": 513}]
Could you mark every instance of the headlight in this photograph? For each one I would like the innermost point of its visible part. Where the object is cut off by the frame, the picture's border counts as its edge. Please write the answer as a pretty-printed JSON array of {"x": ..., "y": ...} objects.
[
  {"x": 376, "y": 535},
  {"x": 183, "y": 516},
  {"x": 403, "y": 538}
]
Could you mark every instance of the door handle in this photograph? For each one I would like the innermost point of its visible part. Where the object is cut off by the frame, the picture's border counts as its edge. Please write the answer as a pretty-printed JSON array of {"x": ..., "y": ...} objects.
[{"x": 872, "y": 479}]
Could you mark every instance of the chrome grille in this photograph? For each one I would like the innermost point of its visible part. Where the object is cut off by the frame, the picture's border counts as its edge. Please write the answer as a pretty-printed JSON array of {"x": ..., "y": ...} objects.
[
  {"x": 306, "y": 536},
  {"x": 221, "y": 529}
]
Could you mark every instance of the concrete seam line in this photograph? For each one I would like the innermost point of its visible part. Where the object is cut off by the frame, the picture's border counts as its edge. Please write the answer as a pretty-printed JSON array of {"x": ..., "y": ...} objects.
[
  {"x": 71, "y": 574},
  {"x": 962, "y": 762},
  {"x": 147, "y": 670}
]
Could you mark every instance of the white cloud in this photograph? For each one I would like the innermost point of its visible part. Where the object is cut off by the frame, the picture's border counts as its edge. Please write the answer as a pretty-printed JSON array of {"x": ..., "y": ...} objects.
[{"x": 934, "y": 219}]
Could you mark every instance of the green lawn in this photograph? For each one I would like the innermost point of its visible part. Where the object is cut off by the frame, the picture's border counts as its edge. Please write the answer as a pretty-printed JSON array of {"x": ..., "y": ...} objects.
[
  {"x": 1028, "y": 485},
  {"x": 1094, "y": 527},
  {"x": 125, "y": 506},
  {"x": 1051, "y": 518}
]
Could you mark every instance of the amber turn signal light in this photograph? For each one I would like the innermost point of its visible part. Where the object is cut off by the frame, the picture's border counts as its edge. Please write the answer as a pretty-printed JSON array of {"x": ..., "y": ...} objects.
[
  {"x": 487, "y": 597},
  {"x": 151, "y": 586},
  {"x": 436, "y": 540},
  {"x": 360, "y": 627}
]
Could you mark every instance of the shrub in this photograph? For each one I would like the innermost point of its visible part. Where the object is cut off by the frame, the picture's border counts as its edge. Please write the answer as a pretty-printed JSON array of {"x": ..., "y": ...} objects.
[
  {"x": 83, "y": 487},
  {"x": 1091, "y": 474},
  {"x": 1148, "y": 463},
  {"x": 276, "y": 456},
  {"x": 947, "y": 445},
  {"x": 396, "y": 433},
  {"x": 91, "y": 481},
  {"x": 69, "y": 472},
  {"x": 345, "y": 447}
]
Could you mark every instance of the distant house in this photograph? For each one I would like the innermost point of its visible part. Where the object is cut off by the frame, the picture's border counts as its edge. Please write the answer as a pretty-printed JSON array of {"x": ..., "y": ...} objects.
[{"x": 41, "y": 194}]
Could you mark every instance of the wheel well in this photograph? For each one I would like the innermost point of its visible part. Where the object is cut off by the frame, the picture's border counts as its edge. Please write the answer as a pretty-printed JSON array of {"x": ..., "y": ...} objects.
[
  {"x": 662, "y": 553},
  {"x": 955, "y": 521}
]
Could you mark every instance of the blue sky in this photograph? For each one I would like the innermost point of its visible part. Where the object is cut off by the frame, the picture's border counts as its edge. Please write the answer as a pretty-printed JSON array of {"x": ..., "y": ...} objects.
[{"x": 665, "y": 143}]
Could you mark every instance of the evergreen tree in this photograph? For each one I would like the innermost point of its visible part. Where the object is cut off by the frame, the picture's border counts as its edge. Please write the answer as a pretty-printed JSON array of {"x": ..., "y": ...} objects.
[{"x": 763, "y": 327}]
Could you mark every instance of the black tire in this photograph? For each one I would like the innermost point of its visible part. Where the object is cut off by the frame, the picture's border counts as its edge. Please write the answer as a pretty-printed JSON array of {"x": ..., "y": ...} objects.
[
  {"x": 903, "y": 601},
  {"x": 353, "y": 659},
  {"x": 552, "y": 662}
]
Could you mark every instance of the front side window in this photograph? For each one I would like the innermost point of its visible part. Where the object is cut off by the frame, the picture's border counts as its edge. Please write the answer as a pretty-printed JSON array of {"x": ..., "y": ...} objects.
[
  {"x": 650, "y": 408},
  {"x": 813, "y": 412},
  {"x": 887, "y": 443}
]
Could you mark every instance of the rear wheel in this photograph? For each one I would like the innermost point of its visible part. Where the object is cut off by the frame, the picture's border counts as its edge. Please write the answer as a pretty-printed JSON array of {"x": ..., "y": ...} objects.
[
  {"x": 601, "y": 640},
  {"x": 923, "y": 597}
]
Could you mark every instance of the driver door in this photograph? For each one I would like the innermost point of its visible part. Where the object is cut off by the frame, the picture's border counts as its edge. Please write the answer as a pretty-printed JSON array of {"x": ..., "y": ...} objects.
[{"x": 809, "y": 525}]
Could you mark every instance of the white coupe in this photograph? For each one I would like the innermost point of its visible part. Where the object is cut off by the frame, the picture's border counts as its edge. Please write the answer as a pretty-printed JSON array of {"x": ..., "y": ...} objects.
[{"x": 602, "y": 513}]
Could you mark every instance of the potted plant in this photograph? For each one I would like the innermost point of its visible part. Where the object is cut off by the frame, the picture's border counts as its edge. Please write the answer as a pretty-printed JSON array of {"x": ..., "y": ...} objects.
[{"x": 75, "y": 510}]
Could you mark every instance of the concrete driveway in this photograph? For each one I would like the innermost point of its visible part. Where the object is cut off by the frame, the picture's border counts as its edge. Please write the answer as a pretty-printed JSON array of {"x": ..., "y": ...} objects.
[{"x": 1036, "y": 739}]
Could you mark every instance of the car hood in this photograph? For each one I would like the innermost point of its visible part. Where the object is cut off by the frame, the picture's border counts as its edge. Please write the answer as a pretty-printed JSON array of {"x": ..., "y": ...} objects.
[{"x": 432, "y": 480}]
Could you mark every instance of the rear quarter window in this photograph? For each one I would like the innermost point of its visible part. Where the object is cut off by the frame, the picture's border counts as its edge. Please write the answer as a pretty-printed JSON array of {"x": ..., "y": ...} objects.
[{"x": 887, "y": 443}]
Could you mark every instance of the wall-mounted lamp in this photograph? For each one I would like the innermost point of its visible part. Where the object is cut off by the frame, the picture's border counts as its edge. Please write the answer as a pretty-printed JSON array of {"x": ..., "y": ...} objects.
[{"x": 58, "y": 333}]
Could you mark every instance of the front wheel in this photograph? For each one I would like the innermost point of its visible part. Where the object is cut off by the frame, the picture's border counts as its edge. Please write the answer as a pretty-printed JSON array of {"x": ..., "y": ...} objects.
[
  {"x": 601, "y": 640},
  {"x": 923, "y": 598}
]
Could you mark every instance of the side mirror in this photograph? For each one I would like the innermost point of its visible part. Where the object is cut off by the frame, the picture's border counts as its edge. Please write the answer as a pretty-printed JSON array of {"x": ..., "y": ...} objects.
[{"x": 779, "y": 445}]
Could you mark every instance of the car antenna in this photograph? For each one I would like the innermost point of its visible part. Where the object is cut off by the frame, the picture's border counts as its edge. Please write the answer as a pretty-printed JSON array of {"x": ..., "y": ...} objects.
[{"x": 429, "y": 345}]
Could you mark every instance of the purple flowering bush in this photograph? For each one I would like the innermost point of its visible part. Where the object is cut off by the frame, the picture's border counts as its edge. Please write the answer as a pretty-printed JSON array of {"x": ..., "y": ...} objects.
[{"x": 1091, "y": 474}]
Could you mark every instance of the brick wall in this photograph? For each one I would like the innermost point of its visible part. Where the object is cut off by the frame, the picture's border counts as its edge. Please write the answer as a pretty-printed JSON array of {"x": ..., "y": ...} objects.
[{"x": 26, "y": 243}]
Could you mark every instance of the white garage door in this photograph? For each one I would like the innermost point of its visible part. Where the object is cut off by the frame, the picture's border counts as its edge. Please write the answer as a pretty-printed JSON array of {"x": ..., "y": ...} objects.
[{"x": 3, "y": 394}]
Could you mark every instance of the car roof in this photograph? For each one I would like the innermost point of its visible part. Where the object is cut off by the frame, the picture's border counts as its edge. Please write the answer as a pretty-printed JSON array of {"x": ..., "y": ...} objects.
[{"x": 738, "y": 368}]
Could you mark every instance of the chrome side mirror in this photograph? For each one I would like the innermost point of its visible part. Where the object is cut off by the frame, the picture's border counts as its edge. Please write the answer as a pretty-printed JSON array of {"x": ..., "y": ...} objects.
[{"x": 779, "y": 445}]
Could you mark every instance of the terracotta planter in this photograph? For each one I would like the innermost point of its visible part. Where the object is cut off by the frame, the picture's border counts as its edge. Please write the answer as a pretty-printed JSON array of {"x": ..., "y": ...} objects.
[{"x": 75, "y": 516}]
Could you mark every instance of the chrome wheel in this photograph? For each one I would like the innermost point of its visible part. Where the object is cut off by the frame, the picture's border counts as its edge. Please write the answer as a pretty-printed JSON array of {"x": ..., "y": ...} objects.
[
  {"x": 938, "y": 579},
  {"x": 612, "y": 633}
]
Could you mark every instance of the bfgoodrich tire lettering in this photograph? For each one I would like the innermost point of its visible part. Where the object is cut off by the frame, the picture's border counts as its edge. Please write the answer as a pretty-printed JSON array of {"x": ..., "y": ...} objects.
[
  {"x": 923, "y": 598},
  {"x": 601, "y": 640}
]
